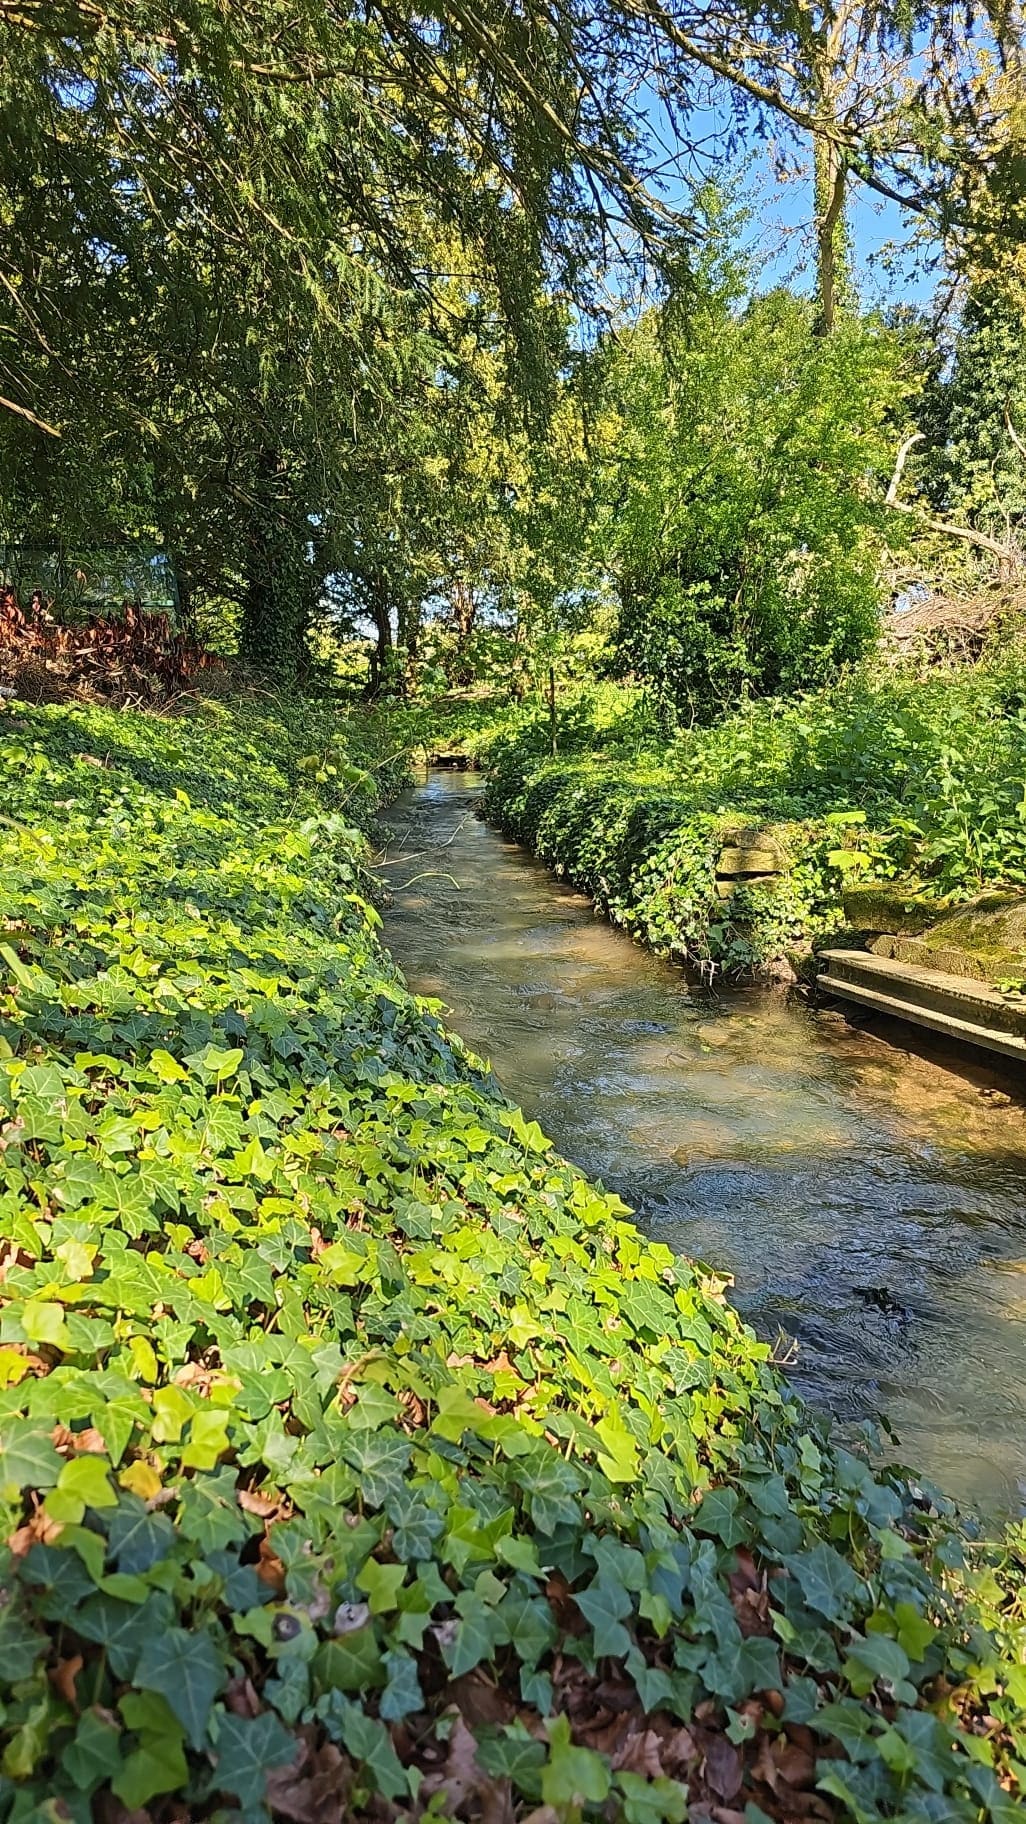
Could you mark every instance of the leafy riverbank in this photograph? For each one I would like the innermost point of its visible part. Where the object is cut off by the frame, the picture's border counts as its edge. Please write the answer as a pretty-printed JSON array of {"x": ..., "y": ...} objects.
[
  {"x": 887, "y": 776},
  {"x": 359, "y": 1457}
]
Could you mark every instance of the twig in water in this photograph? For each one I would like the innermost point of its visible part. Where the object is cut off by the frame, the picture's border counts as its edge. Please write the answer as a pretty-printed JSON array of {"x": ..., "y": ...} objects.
[
  {"x": 430, "y": 874},
  {"x": 386, "y": 861}
]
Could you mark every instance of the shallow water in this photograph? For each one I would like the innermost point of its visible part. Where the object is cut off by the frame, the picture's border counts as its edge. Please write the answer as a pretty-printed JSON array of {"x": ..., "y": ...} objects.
[{"x": 862, "y": 1185}]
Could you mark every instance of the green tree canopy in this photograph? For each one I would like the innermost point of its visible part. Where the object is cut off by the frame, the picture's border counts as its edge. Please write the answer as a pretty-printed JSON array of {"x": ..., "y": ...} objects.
[{"x": 741, "y": 519}]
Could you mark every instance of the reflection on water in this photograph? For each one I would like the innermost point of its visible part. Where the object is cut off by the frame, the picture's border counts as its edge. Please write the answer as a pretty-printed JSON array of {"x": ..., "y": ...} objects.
[{"x": 867, "y": 1198}]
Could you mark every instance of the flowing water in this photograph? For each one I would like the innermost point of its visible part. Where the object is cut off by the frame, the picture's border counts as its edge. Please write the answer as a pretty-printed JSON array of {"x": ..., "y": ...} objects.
[{"x": 864, "y": 1188}]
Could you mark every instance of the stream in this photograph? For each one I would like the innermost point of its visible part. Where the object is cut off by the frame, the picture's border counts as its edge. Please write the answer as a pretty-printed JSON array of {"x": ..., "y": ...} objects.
[{"x": 863, "y": 1185}]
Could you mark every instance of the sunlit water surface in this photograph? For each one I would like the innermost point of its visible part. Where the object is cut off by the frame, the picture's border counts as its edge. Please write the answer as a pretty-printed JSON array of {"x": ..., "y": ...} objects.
[{"x": 866, "y": 1197}]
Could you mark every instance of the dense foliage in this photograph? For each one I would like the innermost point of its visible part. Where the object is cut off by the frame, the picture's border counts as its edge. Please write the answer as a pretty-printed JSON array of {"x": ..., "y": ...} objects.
[
  {"x": 230, "y": 241},
  {"x": 885, "y": 774},
  {"x": 982, "y": 448},
  {"x": 290, "y": 295},
  {"x": 359, "y": 1458},
  {"x": 739, "y": 518}
]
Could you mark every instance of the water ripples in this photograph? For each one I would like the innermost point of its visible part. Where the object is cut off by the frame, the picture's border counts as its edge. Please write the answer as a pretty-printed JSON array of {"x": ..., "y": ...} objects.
[{"x": 862, "y": 1187}]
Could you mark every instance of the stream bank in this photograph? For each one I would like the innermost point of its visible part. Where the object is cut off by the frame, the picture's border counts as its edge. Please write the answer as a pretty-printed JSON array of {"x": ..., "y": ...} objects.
[{"x": 864, "y": 1187}]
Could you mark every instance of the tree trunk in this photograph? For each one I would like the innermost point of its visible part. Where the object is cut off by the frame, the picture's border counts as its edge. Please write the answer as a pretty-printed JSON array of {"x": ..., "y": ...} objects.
[
  {"x": 553, "y": 733},
  {"x": 832, "y": 265},
  {"x": 409, "y": 640},
  {"x": 830, "y": 170},
  {"x": 464, "y": 614},
  {"x": 275, "y": 607},
  {"x": 381, "y": 615},
  {"x": 185, "y": 613}
]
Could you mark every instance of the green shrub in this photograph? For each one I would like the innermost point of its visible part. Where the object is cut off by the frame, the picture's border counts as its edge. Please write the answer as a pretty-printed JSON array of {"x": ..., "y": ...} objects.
[
  {"x": 343, "y": 1426},
  {"x": 648, "y": 858},
  {"x": 885, "y": 773}
]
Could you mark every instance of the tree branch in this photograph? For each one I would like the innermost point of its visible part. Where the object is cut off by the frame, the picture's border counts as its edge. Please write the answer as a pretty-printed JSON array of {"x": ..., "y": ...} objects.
[
  {"x": 968, "y": 534},
  {"x": 22, "y": 411},
  {"x": 891, "y": 497}
]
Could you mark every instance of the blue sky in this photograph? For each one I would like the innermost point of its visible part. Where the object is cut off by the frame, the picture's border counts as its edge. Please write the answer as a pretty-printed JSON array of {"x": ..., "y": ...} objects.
[{"x": 888, "y": 269}]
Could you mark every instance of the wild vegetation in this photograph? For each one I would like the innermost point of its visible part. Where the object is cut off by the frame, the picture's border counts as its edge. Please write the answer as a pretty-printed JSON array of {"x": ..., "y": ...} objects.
[
  {"x": 887, "y": 775},
  {"x": 359, "y": 1457},
  {"x": 362, "y": 324}
]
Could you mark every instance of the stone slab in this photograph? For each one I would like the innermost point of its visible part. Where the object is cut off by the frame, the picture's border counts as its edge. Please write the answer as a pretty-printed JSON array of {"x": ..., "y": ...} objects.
[
  {"x": 761, "y": 860},
  {"x": 963, "y": 1009}
]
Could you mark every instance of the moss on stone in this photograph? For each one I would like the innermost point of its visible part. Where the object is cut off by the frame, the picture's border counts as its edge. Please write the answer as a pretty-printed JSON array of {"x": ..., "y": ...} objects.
[
  {"x": 984, "y": 940},
  {"x": 890, "y": 906}
]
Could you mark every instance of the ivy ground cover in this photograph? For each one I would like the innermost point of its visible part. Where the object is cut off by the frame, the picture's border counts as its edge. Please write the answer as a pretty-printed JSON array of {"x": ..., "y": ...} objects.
[
  {"x": 886, "y": 774},
  {"x": 359, "y": 1458}
]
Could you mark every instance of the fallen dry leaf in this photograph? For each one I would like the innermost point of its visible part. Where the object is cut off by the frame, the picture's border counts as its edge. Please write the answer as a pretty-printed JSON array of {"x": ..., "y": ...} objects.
[
  {"x": 315, "y": 1789},
  {"x": 480, "y": 1702},
  {"x": 38, "y": 1529},
  {"x": 641, "y": 1752},
  {"x": 241, "y": 1698},
  {"x": 270, "y": 1569},
  {"x": 723, "y": 1770},
  {"x": 466, "y": 1789},
  {"x": 62, "y": 1677},
  {"x": 255, "y": 1503},
  {"x": 87, "y": 1442}
]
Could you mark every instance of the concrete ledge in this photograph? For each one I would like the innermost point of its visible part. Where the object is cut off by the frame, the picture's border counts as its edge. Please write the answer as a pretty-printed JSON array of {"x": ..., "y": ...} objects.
[{"x": 960, "y": 1008}]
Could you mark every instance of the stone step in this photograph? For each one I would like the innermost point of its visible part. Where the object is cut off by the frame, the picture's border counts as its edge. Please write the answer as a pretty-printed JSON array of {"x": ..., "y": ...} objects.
[{"x": 969, "y": 1011}]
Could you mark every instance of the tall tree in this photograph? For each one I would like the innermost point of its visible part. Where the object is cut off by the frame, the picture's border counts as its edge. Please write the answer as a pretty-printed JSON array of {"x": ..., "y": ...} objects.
[
  {"x": 262, "y": 173},
  {"x": 894, "y": 95},
  {"x": 740, "y": 523}
]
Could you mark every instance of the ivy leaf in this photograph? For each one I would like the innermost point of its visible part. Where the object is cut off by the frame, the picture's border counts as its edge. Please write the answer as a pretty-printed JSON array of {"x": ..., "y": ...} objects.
[
  {"x": 158, "y": 1764},
  {"x": 353, "y": 1663},
  {"x": 402, "y": 1695},
  {"x": 86, "y": 1479},
  {"x": 877, "y": 1656},
  {"x": 209, "y": 1512},
  {"x": 28, "y": 1458},
  {"x": 380, "y": 1460},
  {"x": 183, "y": 1667},
  {"x": 123, "y": 1628},
  {"x": 915, "y": 1633},
  {"x": 370, "y": 1744},
  {"x": 552, "y": 1487},
  {"x": 372, "y": 1408},
  {"x": 138, "y": 1539},
  {"x": 718, "y": 1514},
  {"x": 606, "y": 1605},
  {"x": 573, "y": 1776},
  {"x": 828, "y": 1583},
  {"x": 618, "y": 1457},
  {"x": 248, "y": 1748},
  {"x": 416, "y": 1526},
  {"x": 658, "y": 1801},
  {"x": 654, "y": 1687},
  {"x": 529, "y": 1626},
  {"x": 211, "y": 1062},
  {"x": 95, "y": 1753},
  {"x": 512, "y": 1754},
  {"x": 20, "y": 1643},
  {"x": 381, "y": 1584},
  {"x": 476, "y": 1635},
  {"x": 739, "y": 1667}
]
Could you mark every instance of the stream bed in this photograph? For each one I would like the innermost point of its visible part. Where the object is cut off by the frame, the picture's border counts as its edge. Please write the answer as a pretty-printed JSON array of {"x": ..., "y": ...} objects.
[{"x": 865, "y": 1188}]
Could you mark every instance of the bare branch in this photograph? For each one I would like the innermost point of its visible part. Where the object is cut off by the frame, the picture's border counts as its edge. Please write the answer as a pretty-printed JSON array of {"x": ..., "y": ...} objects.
[
  {"x": 22, "y": 411},
  {"x": 1007, "y": 554},
  {"x": 1019, "y": 442},
  {"x": 891, "y": 498}
]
